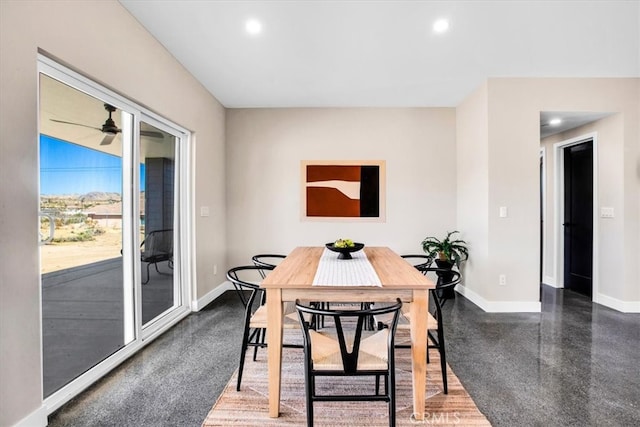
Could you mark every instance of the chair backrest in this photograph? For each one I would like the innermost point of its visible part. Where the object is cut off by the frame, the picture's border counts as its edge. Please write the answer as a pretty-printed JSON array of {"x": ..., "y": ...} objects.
[
  {"x": 418, "y": 260},
  {"x": 158, "y": 243},
  {"x": 349, "y": 358},
  {"x": 447, "y": 280},
  {"x": 267, "y": 261},
  {"x": 248, "y": 278}
]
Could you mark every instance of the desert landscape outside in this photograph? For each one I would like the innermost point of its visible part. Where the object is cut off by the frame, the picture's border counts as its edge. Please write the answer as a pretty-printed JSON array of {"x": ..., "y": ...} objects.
[{"x": 88, "y": 229}]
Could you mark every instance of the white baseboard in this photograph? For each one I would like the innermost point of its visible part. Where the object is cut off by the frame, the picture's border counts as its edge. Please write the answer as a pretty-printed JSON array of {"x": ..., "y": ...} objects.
[
  {"x": 198, "y": 304},
  {"x": 37, "y": 418},
  {"x": 500, "y": 306},
  {"x": 551, "y": 281},
  {"x": 619, "y": 305}
]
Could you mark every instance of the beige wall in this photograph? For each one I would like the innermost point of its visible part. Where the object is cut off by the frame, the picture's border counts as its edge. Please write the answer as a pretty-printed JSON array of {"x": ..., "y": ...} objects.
[
  {"x": 514, "y": 107},
  {"x": 472, "y": 140},
  {"x": 103, "y": 41},
  {"x": 264, "y": 150}
]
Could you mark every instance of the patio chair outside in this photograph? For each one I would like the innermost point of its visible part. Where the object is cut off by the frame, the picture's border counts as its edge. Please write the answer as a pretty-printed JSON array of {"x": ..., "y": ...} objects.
[{"x": 157, "y": 247}]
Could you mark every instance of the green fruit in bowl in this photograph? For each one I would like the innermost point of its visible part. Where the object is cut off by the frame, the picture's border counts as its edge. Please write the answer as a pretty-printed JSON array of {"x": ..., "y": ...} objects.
[{"x": 343, "y": 243}]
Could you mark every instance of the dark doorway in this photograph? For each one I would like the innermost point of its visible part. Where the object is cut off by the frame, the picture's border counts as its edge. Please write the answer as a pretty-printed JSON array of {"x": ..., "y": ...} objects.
[{"x": 578, "y": 217}]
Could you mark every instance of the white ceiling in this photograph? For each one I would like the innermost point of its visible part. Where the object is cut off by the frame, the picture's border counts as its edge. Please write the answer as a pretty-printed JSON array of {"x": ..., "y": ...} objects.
[
  {"x": 384, "y": 53},
  {"x": 568, "y": 120}
]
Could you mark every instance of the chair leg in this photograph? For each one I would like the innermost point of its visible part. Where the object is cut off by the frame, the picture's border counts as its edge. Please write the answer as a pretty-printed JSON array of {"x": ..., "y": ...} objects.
[
  {"x": 391, "y": 382},
  {"x": 443, "y": 366},
  {"x": 169, "y": 263},
  {"x": 386, "y": 385},
  {"x": 443, "y": 359},
  {"x": 259, "y": 340},
  {"x": 310, "y": 390},
  {"x": 243, "y": 352},
  {"x": 240, "y": 294},
  {"x": 144, "y": 282}
]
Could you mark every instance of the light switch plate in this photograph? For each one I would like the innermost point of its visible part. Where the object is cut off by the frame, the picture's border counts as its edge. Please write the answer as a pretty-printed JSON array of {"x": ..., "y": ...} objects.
[
  {"x": 204, "y": 211},
  {"x": 503, "y": 212}
]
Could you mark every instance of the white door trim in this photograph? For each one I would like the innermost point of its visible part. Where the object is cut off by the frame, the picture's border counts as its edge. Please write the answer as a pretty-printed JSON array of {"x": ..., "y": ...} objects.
[
  {"x": 558, "y": 257},
  {"x": 543, "y": 208}
]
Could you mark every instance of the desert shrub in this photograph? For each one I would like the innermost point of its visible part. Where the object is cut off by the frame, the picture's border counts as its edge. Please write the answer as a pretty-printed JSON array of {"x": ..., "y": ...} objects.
[
  {"x": 78, "y": 218},
  {"x": 81, "y": 236}
]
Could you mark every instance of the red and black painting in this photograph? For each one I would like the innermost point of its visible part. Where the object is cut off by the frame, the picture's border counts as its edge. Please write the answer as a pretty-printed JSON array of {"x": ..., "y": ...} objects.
[{"x": 350, "y": 191}]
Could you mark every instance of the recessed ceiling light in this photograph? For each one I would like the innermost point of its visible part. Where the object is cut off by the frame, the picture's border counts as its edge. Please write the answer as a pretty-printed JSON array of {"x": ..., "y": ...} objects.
[
  {"x": 440, "y": 26},
  {"x": 253, "y": 26},
  {"x": 555, "y": 122}
]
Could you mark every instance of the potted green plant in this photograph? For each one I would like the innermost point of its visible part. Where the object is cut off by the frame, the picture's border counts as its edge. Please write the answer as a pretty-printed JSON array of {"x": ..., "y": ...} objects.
[
  {"x": 446, "y": 253},
  {"x": 449, "y": 250}
]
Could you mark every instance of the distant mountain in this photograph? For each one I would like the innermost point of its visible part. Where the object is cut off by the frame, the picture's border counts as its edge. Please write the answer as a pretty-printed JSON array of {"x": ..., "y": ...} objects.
[
  {"x": 93, "y": 196},
  {"x": 100, "y": 195}
]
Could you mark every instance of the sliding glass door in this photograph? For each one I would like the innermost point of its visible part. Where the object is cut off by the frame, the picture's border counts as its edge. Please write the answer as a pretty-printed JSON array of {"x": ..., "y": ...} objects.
[
  {"x": 157, "y": 223},
  {"x": 111, "y": 232},
  {"x": 83, "y": 286}
]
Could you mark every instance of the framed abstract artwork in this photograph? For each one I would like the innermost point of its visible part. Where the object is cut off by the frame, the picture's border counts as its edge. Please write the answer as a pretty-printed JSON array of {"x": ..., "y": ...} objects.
[{"x": 345, "y": 190}]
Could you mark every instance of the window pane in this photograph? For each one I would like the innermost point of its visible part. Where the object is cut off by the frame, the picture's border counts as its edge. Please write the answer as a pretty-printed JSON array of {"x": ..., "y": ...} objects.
[
  {"x": 157, "y": 207},
  {"x": 81, "y": 229}
]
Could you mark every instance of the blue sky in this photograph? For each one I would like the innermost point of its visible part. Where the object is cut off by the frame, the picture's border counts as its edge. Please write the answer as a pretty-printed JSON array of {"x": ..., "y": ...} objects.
[{"x": 67, "y": 168}]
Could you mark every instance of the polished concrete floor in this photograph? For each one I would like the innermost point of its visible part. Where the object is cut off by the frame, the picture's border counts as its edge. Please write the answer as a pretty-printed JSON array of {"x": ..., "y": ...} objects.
[{"x": 574, "y": 364}]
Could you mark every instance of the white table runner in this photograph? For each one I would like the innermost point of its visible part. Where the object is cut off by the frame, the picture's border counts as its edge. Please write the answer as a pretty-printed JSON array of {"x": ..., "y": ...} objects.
[{"x": 345, "y": 272}]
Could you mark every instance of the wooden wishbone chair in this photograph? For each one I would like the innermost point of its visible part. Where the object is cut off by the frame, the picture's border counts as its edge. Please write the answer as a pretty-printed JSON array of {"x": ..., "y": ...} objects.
[
  {"x": 268, "y": 261},
  {"x": 347, "y": 350},
  {"x": 435, "y": 328},
  {"x": 248, "y": 278}
]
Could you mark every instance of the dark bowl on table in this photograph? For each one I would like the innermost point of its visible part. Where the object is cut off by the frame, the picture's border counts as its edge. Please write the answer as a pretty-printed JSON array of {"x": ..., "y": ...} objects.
[{"x": 345, "y": 253}]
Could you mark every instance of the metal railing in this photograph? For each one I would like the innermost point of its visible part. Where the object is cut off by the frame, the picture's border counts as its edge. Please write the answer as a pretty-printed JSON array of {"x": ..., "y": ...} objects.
[{"x": 52, "y": 228}]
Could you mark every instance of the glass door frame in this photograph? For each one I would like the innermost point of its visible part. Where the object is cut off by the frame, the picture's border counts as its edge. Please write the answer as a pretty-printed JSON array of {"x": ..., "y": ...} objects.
[
  {"x": 181, "y": 196},
  {"x": 184, "y": 260}
]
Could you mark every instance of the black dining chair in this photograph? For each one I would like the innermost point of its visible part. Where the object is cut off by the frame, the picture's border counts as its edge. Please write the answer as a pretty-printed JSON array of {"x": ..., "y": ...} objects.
[
  {"x": 269, "y": 261},
  {"x": 449, "y": 279},
  {"x": 265, "y": 262},
  {"x": 418, "y": 260},
  {"x": 347, "y": 350},
  {"x": 435, "y": 325},
  {"x": 248, "y": 278}
]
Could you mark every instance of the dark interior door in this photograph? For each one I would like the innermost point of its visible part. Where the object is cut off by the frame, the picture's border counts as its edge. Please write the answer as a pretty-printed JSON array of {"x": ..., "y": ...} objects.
[{"x": 578, "y": 217}]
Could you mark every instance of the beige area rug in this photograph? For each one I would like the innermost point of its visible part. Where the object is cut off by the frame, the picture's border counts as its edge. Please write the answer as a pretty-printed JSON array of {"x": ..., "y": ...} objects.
[{"x": 249, "y": 407}]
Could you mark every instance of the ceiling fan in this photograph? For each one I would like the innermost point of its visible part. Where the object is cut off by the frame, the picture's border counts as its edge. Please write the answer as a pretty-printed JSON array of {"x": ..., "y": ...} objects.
[{"x": 109, "y": 128}]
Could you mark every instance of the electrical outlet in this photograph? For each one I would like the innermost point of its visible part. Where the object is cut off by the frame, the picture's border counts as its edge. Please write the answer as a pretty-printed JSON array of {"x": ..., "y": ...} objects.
[
  {"x": 502, "y": 280},
  {"x": 215, "y": 269},
  {"x": 606, "y": 212}
]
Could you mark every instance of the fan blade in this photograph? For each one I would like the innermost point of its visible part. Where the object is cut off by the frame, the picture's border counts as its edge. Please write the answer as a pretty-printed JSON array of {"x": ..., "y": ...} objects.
[
  {"x": 151, "y": 134},
  {"x": 147, "y": 133},
  {"x": 76, "y": 124},
  {"x": 108, "y": 138}
]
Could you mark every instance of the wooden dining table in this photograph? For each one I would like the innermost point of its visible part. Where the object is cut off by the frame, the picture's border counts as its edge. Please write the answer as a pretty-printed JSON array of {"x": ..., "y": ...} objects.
[{"x": 293, "y": 279}]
